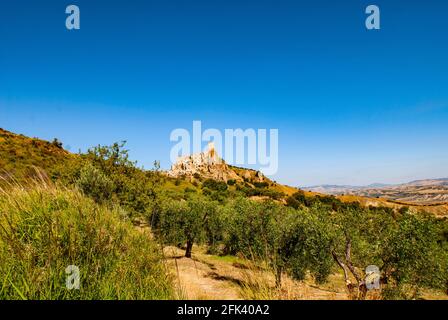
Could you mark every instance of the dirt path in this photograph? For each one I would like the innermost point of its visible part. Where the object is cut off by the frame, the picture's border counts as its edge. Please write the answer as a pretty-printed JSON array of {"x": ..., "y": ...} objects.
[
  {"x": 208, "y": 277},
  {"x": 198, "y": 279}
]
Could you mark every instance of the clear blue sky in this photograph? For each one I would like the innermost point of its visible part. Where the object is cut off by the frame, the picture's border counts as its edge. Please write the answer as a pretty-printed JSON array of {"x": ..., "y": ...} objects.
[{"x": 352, "y": 106}]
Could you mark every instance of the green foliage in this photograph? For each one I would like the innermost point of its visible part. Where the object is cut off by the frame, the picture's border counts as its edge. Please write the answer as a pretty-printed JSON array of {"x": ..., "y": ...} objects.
[
  {"x": 214, "y": 185},
  {"x": 44, "y": 230},
  {"x": 189, "y": 190},
  {"x": 134, "y": 189},
  {"x": 291, "y": 241},
  {"x": 184, "y": 222},
  {"x": 413, "y": 256},
  {"x": 249, "y": 191},
  {"x": 95, "y": 184},
  {"x": 261, "y": 185},
  {"x": 299, "y": 200},
  {"x": 305, "y": 245},
  {"x": 408, "y": 249}
]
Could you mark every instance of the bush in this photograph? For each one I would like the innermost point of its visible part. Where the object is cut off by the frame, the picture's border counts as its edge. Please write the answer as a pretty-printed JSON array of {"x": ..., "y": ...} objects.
[
  {"x": 93, "y": 183},
  {"x": 214, "y": 185},
  {"x": 251, "y": 192},
  {"x": 189, "y": 190},
  {"x": 44, "y": 230},
  {"x": 261, "y": 185},
  {"x": 297, "y": 200},
  {"x": 57, "y": 143},
  {"x": 134, "y": 189}
]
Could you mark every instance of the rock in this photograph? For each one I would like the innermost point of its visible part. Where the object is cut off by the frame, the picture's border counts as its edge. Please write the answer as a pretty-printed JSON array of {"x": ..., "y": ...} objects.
[{"x": 207, "y": 164}]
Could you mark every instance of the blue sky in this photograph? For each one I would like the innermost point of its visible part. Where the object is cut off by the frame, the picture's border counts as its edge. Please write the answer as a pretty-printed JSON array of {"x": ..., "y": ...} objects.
[{"x": 352, "y": 106}]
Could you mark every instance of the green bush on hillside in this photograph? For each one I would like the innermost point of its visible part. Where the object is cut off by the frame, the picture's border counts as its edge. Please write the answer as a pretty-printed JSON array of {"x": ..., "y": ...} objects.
[
  {"x": 215, "y": 185},
  {"x": 95, "y": 183}
]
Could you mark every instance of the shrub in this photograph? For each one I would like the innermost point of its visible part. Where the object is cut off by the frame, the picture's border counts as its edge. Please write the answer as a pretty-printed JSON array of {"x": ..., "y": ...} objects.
[
  {"x": 251, "y": 192},
  {"x": 189, "y": 190},
  {"x": 57, "y": 143},
  {"x": 261, "y": 185},
  {"x": 215, "y": 185},
  {"x": 93, "y": 183}
]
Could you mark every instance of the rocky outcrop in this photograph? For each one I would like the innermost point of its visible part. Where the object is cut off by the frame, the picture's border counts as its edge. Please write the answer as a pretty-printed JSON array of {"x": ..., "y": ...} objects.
[{"x": 205, "y": 164}]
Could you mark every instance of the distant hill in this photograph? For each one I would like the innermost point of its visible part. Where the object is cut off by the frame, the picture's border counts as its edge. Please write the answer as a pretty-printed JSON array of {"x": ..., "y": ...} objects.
[
  {"x": 429, "y": 182},
  {"x": 421, "y": 192}
]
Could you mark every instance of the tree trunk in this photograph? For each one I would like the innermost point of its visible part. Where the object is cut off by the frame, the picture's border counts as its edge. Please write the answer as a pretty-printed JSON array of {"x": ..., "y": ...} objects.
[
  {"x": 189, "y": 248},
  {"x": 362, "y": 288},
  {"x": 348, "y": 283},
  {"x": 358, "y": 291}
]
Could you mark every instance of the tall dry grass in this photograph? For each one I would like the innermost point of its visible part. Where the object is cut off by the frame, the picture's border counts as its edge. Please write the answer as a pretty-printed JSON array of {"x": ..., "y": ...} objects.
[{"x": 44, "y": 229}]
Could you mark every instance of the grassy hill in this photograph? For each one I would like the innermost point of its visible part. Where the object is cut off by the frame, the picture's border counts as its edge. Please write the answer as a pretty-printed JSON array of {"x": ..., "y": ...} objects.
[{"x": 20, "y": 155}]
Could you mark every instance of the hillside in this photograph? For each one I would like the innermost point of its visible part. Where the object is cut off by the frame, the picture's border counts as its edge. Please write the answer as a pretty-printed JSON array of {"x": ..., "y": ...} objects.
[
  {"x": 20, "y": 155},
  {"x": 196, "y": 168}
]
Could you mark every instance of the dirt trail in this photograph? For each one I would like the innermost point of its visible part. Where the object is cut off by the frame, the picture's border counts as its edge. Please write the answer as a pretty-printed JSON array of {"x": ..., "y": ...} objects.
[
  {"x": 198, "y": 279},
  {"x": 207, "y": 277}
]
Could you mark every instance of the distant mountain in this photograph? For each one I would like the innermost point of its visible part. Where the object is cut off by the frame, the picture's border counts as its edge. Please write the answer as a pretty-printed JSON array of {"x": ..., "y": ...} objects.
[
  {"x": 342, "y": 189},
  {"x": 424, "y": 192},
  {"x": 427, "y": 182}
]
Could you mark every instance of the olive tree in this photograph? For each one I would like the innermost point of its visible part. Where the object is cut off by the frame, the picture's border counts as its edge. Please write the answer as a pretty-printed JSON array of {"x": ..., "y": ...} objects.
[
  {"x": 291, "y": 241},
  {"x": 414, "y": 257},
  {"x": 404, "y": 246},
  {"x": 184, "y": 222}
]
